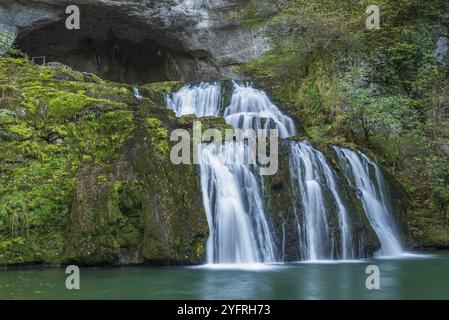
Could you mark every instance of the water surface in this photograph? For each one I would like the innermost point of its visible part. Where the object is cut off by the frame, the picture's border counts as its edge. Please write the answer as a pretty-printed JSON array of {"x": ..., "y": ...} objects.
[{"x": 417, "y": 276}]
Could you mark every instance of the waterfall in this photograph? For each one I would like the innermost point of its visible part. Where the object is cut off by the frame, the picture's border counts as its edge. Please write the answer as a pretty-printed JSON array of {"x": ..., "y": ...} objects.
[
  {"x": 239, "y": 231},
  {"x": 252, "y": 109},
  {"x": 366, "y": 176},
  {"x": 202, "y": 100},
  {"x": 313, "y": 179},
  {"x": 137, "y": 93},
  {"x": 232, "y": 192}
]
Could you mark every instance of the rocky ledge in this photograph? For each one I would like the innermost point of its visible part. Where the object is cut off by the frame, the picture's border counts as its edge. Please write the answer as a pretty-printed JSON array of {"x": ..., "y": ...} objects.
[{"x": 137, "y": 41}]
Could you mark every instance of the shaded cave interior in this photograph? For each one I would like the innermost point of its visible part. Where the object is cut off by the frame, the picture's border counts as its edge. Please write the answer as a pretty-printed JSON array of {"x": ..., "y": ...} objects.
[{"x": 119, "y": 52}]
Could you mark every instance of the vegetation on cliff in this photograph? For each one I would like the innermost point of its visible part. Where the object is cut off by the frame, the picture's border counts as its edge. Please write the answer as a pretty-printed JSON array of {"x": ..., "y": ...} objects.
[
  {"x": 85, "y": 174},
  {"x": 380, "y": 90}
]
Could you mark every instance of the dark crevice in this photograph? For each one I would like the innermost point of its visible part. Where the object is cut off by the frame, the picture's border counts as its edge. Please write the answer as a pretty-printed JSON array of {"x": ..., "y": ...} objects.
[{"x": 113, "y": 53}]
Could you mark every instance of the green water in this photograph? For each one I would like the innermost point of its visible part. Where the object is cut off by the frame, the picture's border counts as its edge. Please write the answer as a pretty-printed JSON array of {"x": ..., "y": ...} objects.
[{"x": 414, "y": 277}]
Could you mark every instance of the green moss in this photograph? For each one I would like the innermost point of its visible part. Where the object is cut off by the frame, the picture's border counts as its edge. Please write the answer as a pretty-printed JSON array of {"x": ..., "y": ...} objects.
[
  {"x": 72, "y": 186},
  {"x": 153, "y": 123},
  {"x": 21, "y": 130},
  {"x": 62, "y": 72},
  {"x": 65, "y": 124},
  {"x": 210, "y": 122},
  {"x": 158, "y": 135},
  {"x": 156, "y": 91},
  {"x": 67, "y": 104},
  {"x": 200, "y": 250},
  {"x": 382, "y": 90}
]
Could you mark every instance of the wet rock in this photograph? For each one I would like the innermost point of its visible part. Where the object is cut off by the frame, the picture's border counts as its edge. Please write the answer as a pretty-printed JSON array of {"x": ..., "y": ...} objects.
[
  {"x": 137, "y": 41},
  {"x": 442, "y": 40}
]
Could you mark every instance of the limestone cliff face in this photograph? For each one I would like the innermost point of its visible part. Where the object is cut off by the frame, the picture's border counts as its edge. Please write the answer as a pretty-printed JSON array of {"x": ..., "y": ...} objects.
[
  {"x": 86, "y": 175},
  {"x": 442, "y": 44},
  {"x": 137, "y": 41},
  {"x": 285, "y": 213}
]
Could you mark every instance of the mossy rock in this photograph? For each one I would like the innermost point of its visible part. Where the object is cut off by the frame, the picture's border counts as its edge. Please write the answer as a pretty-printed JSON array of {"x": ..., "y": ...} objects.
[
  {"x": 157, "y": 91},
  {"x": 85, "y": 169},
  {"x": 205, "y": 123}
]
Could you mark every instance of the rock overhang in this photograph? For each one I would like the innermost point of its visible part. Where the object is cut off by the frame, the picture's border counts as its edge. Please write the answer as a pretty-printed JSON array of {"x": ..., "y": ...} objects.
[{"x": 137, "y": 41}]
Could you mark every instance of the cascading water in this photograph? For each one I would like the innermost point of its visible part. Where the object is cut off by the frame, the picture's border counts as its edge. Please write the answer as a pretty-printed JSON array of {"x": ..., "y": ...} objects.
[
  {"x": 137, "y": 93},
  {"x": 233, "y": 191},
  {"x": 312, "y": 175},
  {"x": 366, "y": 176},
  {"x": 202, "y": 100},
  {"x": 239, "y": 230},
  {"x": 252, "y": 109}
]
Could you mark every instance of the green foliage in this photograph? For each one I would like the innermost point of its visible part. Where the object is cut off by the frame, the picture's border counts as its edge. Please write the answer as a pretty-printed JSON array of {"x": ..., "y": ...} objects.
[
  {"x": 373, "y": 115},
  {"x": 65, "y": 138},
  {"x": 382, "y": 89},
  {"x": 49, "y": 128}
]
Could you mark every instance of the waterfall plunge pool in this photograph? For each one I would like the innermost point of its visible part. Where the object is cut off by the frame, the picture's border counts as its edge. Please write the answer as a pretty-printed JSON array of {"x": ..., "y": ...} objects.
[{"x": 410, "y": 276}]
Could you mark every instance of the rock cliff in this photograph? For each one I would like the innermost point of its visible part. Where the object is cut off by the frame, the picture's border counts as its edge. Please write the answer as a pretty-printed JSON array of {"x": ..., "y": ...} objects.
[{"x": 137, "y": 41}]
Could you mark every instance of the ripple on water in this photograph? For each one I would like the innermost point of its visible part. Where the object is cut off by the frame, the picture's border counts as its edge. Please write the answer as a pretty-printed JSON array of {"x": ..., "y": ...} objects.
[{"x": 240, "y": 266}]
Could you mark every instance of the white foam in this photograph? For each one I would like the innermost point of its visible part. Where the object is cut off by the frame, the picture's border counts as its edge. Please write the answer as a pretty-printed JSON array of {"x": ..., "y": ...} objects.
[
  {"x": 327, "y": 261},
  {"x": 407, "y": 255},
  {"x": 240, "y": 266}
]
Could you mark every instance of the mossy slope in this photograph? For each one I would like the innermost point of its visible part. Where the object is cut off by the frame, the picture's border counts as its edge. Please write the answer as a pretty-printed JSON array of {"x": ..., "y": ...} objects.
[{"x": 85, "y": 174}]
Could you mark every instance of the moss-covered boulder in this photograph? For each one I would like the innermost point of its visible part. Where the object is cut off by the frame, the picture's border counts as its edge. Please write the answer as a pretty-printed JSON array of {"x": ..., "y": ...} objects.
[{"x": 86, "y": 176}]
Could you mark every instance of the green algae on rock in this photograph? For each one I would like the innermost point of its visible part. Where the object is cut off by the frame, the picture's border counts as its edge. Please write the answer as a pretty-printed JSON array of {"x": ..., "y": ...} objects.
[{"x": 85, "y": 174}]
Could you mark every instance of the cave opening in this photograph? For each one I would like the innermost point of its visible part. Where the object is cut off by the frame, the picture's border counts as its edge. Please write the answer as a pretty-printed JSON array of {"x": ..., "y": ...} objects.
[{"x": 130, "y": 54}]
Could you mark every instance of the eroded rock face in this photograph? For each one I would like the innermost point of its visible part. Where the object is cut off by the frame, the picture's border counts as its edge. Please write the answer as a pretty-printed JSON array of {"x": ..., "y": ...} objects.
[
  {"x": 146, "y": 211},
  {"x": 104, "y": 188},
  {"x": 285, "y": 214},
  {"x": 137, "y": 41},
  {"x": 442, "y": 43}
]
